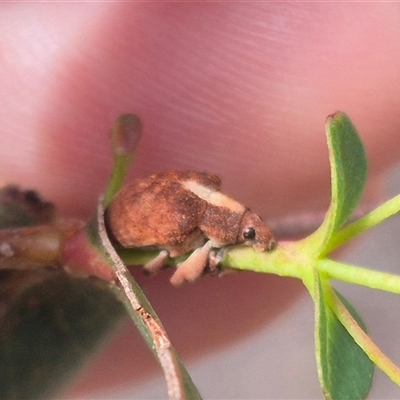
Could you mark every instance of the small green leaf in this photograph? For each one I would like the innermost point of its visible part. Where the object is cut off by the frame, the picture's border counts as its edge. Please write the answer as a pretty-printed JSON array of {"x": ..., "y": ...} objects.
[
  {"x": 125, "y": 135},
  {"x": 348, "y": 175},
  {"x": 344, "y": 370},
  {"x": 349, "y": 168}
]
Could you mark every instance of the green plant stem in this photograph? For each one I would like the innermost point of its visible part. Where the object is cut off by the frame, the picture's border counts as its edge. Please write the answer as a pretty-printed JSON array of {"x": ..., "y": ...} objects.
[
  {"x": 373, "y": 218},
  {"x": 361, "y": 338},
  {"x": 291, "y": 259},
  {"x": 287, "y": 260},
  {"x": 359, "y": 276},
  {"x": 121, "y": 166},
  {"x": 125, "y": 135}
]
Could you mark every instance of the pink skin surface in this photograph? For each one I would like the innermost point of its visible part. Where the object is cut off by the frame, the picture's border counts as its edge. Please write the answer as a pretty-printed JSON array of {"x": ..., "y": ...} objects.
[{"x": 241, "y": 90}]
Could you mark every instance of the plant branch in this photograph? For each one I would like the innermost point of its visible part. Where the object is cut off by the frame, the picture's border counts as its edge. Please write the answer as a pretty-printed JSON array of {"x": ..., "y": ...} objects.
[
  {"x": 359, "y": 276},
  {"x": 375, "y": 217},
  {"x": 178, "y": 381},
  {"x": 35, "y": 246}
]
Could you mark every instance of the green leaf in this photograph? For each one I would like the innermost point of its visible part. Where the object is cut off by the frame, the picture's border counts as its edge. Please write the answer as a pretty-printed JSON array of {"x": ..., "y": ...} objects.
[
  {"x": 349, "y": 168},
  {"x": 344, "y": 370},
  {"x": 348, "y": 175},
  {"x": 49, "y": 326}
]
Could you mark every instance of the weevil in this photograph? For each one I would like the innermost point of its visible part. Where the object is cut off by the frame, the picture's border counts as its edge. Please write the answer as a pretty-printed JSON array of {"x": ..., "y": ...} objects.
[{"x": 181, "y": 211}]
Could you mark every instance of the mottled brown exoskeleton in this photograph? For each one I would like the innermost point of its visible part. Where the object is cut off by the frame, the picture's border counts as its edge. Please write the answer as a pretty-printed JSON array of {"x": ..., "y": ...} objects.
[{"x": 178, "y": 212}]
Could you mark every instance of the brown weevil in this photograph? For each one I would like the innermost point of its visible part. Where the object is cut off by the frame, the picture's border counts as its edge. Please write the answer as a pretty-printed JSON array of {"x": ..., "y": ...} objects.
[{"x": 181, "y": 211}]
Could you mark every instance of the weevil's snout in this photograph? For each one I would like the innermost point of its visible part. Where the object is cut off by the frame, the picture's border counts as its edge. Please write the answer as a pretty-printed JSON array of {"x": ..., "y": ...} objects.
[{"x": 254, "y": 232}]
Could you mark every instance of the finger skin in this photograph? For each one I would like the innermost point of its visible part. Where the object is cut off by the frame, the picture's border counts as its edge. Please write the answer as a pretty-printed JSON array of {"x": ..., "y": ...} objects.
[
  {"x": 237, "y": 90},
  {"x": 241, "y": 91}
]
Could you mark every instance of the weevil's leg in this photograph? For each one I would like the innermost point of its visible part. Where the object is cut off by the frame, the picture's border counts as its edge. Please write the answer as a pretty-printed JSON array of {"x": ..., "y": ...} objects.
[
  {"x": 156, "y": 264},
  {"x": 193, "y": 267},
  {"x": 214, "y": 260},
  {"x": 214, "y": 267}
]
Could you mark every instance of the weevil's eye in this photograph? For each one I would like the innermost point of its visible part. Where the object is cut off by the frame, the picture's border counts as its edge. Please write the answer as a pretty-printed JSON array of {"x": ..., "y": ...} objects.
[{"x": 249, "y": 234}]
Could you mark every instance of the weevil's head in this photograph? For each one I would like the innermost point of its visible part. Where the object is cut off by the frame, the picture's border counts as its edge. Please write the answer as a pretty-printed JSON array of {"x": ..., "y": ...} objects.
[{"x": 254, "y": 232}]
